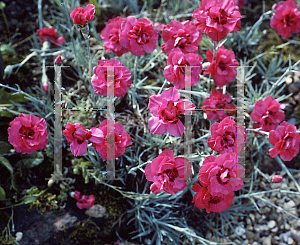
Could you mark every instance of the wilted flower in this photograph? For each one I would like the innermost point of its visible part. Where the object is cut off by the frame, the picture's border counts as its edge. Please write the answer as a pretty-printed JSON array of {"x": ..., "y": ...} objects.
[
  {"x": 139, "y": 36},
  {"x": 266, "y": 113},
  {"x": 169, "y": 174},
  {"x": 165, "y": 108},
  {"x": 76, "y": 134},
  {"x": 49, "y": 34},
  {"x": 276, "y": 178},
  {"x": 174, "y": 72},
  {"x": 182, "y": 35},
  {"x": 84, "y": 201},
  {"x": 221, "y": 175},
  {"x": 217, "y": 18},
  {"x": 226, "y": 137},
  {"x": 286, "y": 141},
  {"x": 28, "y": 133},
  {"x": 217, "y": 100},
  {"x": 121, "y": 80},
  {"x": 81, "y": 16},
  {"x": 223, "y": 67},
  {"x": 100, "y": 139},
  {"x": 286, "y": 18},
  {"x": 111, "y": 36},
  {"x": 204, "y": 199}
]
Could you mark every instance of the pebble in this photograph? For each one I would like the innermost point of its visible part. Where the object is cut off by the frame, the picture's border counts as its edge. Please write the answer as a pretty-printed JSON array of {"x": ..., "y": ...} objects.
[
  {"x": 290, "y": 241},
  {"x": 275, "y": 229},
  {"x": 271, "y": 224},
  {"x": 295, "y": 235},
  {"x": 252, "y": 217},
  {"x": 255, "y": 243},
  {"x": 288, "y": 205},
  {"x": 287, "y": 226},
  {"x": 19, "y": 236},
  {"x": 285, "y": 236},
  {"x": 267, "y": 240}
]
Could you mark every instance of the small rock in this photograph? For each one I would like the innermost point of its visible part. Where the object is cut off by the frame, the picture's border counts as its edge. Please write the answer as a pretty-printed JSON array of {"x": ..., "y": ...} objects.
[
  {"x": 239, "y": 230},
  {"x": 271, "y": 224},
  {"x": 285, "y": 236},
  {"x": 267, "y": 240},
  {"x": 96, "y": 211},
  {"x": 250, "y": 235},
  {"x": 248, "y": 221},
  {"x": 19, "y": 236},
  {"x": 290, "y": 241},
  {"x": 255, "y": 243},
  {"x": 275, "y": 229},
  {"x": 290, "y": 204},
  {"x": 287, "y": 226},
  {"x": 295, "y": 235},
  {"x": 252, "y": 217}
]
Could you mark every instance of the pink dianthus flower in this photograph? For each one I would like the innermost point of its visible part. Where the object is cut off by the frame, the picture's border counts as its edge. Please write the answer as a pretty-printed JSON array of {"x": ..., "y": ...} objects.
[
  {"x": 182, "y": 35},
  {"x": 286, "y": 18},
  {"x": 111, "y": 36},
  {"x": 81, "y": 16},
  {"x": 104, "y": 139},
  {"x": 169, "y": 174},
  {"x": 217, "y": 100},
  {"x": 227, "y": 137},
  {"x": 76, "y": 134},
  {"x": 223, "y": 67},
  {"x": 139, "y": 36},
  {"x": 121, "y": 80},
  {"x": 49, "y": 34},
  {"x": 204, "y": 199},
  {"x": 174, "y": 72},
  {"x": 217, "y": 18},
  {"x": 28, "y": 133},
  {"x": 165, "y": 108},
  {"x": 84, "y": 201},
  {"x": 266, "y": 113},
  {"x": 286, "y": 141}
]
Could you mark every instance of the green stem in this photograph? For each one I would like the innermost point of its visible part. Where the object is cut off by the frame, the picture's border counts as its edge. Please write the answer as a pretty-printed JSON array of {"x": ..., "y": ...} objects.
[{"x": 6, "y": 23}]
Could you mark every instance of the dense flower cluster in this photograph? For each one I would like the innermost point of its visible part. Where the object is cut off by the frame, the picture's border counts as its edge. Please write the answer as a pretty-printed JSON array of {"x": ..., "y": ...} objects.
[
  {"x": 175, "y": 70},
  {"x": 182, "y": 35},
  {"x": 165, "y": 109},
  {"x": 219, "y": 177},
  {"x": 223, "y": 67},
  {"x": 49, "y": 34},
  {"x": 121, "y": 80},
  {"x": 81, "y": 16},
  {"x": 217, "y": 18},
  {"x": 286, "y": 19},
  {"x": 217, "y": 100},
  {"x": 28, "y": 133},
  {"x": 169, "y": 174}
]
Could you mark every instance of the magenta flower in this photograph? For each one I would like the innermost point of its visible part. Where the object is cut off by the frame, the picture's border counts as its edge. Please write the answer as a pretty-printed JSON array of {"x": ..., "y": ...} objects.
[
  {"x": 204, "y": 199},
  {"x": 169, "y": 174},
  {"x": 174, "y": 72},
  {"x": 222, "y": 69},
  {"x": 49, "y": 34},
  {"x": 84, "y": 201},
  {"x": 266, "y": 113},
  {"x": 121, "y": 80},
  {"x": 286, "y": 141},
  {"x": 159, "y": 26},
  {"x": 76, "y": 134},
  {"x": 101, "y": 140},
  {"x": 80, "y": 16},
  {"x": 111, "y": 36},
  {"x": 277, "y": 179},
  {"x": 217, "y": 18},
  {"x": 139, "y": 36},
  {"x": 165, "y": 108},
  {"x": 286, "y": 18},
  {"x": 182, "y": 35},
  {"x": 226, "y": 137},
  {"x": 28, "y": 133},
  {"x": 221, "y": 175},
  {"x": 217, "y": 100}
]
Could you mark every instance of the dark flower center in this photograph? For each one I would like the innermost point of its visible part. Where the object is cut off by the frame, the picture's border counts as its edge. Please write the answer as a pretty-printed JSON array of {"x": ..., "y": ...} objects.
[
  {"x": 171, "y": 173},
  {"x": 170, "y": 112},
  {"x": 222, "y": 65},
  {"x": 26, "y": 132},
  {"x": 223, "y": 176},
  {"x": 214, "y": 200},
  {"x": 218, "y": 15},
  {"x": 228, "y": 139}
]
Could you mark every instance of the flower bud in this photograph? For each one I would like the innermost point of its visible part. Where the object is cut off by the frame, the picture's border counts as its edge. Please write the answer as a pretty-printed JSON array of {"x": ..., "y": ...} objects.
[
  {"x": 276, "y": 178},
  {"x": 46, "y": 87},
  {"x": 57, "y": 60}
]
